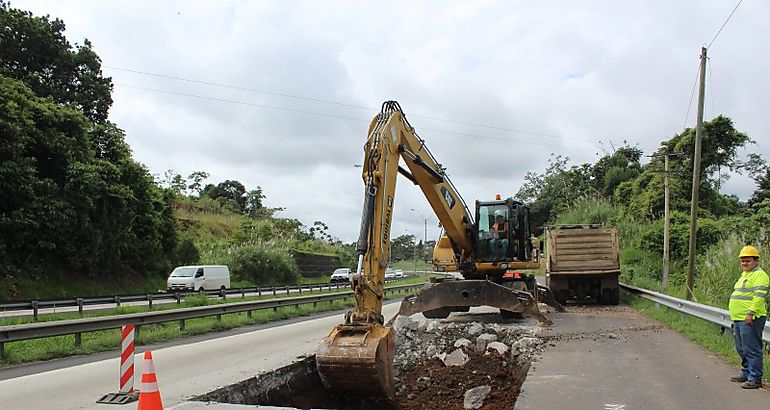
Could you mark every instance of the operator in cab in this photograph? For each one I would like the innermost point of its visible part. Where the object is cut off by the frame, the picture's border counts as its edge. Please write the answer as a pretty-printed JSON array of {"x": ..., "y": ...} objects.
[{"x": 499, "y": 234}]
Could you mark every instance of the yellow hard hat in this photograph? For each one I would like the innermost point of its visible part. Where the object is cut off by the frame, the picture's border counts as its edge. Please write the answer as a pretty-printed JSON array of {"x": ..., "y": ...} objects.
[{"x": 749, "y": 250}]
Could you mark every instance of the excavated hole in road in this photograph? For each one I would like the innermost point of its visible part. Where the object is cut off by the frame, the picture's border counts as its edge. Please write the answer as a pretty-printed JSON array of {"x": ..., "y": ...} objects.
[{"x": 468, "y": 361}]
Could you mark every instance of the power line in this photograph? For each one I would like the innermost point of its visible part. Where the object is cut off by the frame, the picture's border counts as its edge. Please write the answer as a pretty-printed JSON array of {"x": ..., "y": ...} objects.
[
  {"x": 320, "y": 100},
  {"x": 273, "y": 107},
  {"x": 725, "y": 23},
  {"x": 692, "y": 95}
]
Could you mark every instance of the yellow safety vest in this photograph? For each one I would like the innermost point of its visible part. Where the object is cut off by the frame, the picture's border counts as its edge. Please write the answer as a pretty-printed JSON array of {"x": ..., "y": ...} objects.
[{"x": 749, "y": 295}]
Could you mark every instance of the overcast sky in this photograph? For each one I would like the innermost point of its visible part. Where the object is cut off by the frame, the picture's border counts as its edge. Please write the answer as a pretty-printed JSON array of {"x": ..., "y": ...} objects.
[{"x": 494, "y": 87}]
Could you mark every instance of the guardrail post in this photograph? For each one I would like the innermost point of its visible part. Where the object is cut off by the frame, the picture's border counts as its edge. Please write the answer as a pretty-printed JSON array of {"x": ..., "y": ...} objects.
[
  {"x": 273, "y": 288},
  {"x": 259, "y": 291},
  {"x": 223, "y": 294},
  {"x": 2, "y": 350},
  {"x": 219, "y": 318},
  {"x": 181, "y": 325},
  {"x": 178, "y": 298},
  {"x": 117, "y": 301},
  {"x": 34, "y": 310},
  {"x": 287, "y": 289},
  {"x": 243, "y": 293},
  {"x": 78, "y": 340},
  {"x": 248, "y": 314},
  {"x": 80, "y": 306},
  {"x": 300, "y": 289},
  {"x": 149, "y": 301}
]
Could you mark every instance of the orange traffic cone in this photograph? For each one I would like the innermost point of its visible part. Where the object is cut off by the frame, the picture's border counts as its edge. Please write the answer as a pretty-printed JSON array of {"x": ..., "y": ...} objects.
[{"x": 149, "y": 395}]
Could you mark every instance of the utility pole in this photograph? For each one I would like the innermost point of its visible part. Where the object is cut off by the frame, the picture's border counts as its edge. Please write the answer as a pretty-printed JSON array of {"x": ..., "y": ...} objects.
[
  {"x": 696, "y": 175},
  {"x": 666, "y": 226},
  {"x": 666, "y": 215}
]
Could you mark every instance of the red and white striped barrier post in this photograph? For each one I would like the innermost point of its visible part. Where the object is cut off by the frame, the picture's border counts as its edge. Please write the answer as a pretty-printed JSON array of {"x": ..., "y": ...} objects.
[
  {"x": 126, "y": 394},
  {"x": 127, "y": 359}
]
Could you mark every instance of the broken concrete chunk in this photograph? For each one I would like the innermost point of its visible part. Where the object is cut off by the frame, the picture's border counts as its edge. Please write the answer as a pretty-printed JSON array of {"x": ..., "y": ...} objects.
[
  {"x": 475, "y": 328},
  {"x": 474, "y": 398},
  {"x": 462, "y": 342},
  {"x": 501, "y": 348},
  {"x": 431, "y": 326},
  {"x": 483, "y": 340},
  {"x": 412, "y": 324},
  {"x": 523, "y": 345},
  {"x": 423, "y": 382},
  {"x": 401, "y": 322},
  {"x": 456, "y": 358}
]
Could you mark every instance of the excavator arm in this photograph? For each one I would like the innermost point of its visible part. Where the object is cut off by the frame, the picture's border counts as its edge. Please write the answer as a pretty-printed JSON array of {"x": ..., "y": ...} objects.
[{"x": 357, "y": 356}]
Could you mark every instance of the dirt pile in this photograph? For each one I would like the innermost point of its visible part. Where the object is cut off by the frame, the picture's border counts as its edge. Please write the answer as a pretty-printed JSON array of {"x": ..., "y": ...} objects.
[{"x": 461, "y": 365}]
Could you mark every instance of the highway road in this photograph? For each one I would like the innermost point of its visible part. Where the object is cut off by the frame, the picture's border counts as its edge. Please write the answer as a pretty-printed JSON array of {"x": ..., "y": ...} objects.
[
  {"x": 183, "y": 371},
  {"x": 596, "y": 357}
]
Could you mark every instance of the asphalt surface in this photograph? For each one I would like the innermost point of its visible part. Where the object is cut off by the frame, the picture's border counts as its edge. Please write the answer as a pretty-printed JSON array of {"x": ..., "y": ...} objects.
[
  {"x": 183, "y": 371},
  {"x": 617, "y": 358}
]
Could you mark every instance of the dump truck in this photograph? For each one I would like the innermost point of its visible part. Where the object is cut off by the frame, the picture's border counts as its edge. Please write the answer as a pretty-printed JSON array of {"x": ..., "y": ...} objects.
[{"x": 583, "y": 263}]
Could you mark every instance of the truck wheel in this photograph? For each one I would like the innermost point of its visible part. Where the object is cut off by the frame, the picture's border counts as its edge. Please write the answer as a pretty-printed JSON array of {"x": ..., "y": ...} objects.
[{"x": 440, "y": 313}]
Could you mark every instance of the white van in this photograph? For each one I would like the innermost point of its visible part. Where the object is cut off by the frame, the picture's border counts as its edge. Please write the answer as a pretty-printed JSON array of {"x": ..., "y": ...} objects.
[{"x": 197, "y": 278}]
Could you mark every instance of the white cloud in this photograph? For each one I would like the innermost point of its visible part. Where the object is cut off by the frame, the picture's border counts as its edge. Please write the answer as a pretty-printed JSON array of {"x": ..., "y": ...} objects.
[{"x": 573, "y": 72}]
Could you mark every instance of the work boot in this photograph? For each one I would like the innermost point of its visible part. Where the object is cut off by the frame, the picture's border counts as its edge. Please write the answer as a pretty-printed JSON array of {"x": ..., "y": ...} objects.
[
  {"x": 751, "y": 384},
  {"x": 738, "y": 379}
]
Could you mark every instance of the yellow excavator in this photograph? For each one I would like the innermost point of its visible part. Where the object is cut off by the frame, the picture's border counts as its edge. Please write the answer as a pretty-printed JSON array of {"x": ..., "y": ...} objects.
[{"x": 356, "y": 358}]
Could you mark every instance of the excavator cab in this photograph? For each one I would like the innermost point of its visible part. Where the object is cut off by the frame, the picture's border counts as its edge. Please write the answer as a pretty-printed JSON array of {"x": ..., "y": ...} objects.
[{"x": 502, "y": 232}]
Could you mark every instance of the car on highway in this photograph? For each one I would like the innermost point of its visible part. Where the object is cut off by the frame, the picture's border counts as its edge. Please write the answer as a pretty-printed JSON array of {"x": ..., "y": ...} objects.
[
  {"x": 341, "y": 275},
  {"x": 393, "y": 274}
]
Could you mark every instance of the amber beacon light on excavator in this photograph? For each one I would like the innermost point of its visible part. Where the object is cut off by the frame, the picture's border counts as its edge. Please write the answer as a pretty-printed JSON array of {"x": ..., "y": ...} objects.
[{"x": 489, "y": 248}]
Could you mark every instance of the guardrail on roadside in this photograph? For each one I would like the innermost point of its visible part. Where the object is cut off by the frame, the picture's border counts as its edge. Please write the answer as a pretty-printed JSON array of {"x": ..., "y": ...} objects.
[
  {"x": 708, "y": 313},
  {"x": 36, "y": 305},
  {"x": 78, "y": 326}
]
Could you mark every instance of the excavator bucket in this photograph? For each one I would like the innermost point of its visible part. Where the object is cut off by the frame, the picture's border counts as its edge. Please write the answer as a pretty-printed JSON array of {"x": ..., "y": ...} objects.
[
  {"x": 356, "y": 361},
  {"x": 456, "y": 295}
]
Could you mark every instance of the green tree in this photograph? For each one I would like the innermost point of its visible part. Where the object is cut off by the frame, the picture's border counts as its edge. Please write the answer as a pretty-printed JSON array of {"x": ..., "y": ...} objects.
[
  {"x": 229, "y": 191},
  {"x": 35, "y": 51},
  {"x": 556, "y": 189}
]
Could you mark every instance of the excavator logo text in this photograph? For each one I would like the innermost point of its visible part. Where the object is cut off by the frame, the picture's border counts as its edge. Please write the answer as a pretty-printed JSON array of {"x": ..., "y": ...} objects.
[{"x": 450, "y": 200}]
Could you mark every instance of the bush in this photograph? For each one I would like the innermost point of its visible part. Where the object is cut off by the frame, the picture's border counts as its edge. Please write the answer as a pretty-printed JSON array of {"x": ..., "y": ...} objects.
[
  {"x": 589, "y": 211},
  {"x": 187, "y": 253},
  {"x": 265, "y": 264},
  {"x": 710, "y": 231},
  {"x": 717, "y": 270}
]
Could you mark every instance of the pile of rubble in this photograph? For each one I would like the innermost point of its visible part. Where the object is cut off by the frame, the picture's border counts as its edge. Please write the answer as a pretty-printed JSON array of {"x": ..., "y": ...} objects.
[{"x": 463, "y": 365}]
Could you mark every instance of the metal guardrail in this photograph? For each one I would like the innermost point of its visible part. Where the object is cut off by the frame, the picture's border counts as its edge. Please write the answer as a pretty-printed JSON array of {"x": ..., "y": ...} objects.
[
  {"x": 78, "y": 326},
  {"x": 708, "y": 313},
  {"x": 36, "y": 305}
]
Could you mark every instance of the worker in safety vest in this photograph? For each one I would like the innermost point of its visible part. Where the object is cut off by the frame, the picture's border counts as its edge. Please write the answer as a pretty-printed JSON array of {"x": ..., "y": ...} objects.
[{"x": 748, "y": 311}]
